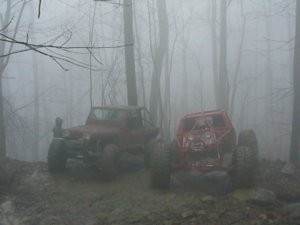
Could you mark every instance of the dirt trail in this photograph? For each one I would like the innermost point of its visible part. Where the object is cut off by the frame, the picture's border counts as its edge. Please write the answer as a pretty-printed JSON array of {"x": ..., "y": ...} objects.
[{"x": 78, "y": 197}]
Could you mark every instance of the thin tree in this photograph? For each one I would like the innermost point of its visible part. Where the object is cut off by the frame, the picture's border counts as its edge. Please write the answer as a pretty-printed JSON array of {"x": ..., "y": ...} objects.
[
  {"x": 223, "y": 73},
  {"x": 5, "y": 20},
  {"x": 214, "y": 45},
  {"x": 159, "y": 56},
  {"x": 140, "y": 58},
  {"x": 129, "y": 53},
  {"x": 295, "y": 140}
]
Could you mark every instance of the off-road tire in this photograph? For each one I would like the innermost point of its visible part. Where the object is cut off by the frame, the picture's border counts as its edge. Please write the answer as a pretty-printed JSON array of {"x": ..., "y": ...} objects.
[
  {"x": 248, "y": 138},
  {"x": 244, "y": 168},
  {"x": 57, "y": 156},
  {"x": 148, "y": 152},
  {"x": 108, "y": 162},
  {"x": 174, "y": 151},
  {"x": 160, "y": 171}
]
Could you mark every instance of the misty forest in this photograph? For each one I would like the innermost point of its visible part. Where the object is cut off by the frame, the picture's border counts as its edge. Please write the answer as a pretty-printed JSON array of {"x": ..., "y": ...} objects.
[{"x": 65, "y": 64}]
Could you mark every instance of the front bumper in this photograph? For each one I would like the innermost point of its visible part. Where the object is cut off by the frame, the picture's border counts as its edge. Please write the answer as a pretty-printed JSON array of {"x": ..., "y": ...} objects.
[
  {"x": 75, "y": 149},
  {"x": 205, "y": 161}
]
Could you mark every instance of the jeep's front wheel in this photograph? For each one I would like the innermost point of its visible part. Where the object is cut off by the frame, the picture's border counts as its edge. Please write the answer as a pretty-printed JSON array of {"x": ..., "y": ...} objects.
[
  {"x": 148, "y": 152},
  {"x": 108, "y": 162},
  {"x": 57, "y": 156},
  {"x": 244, "y": 167},
  {"x": 160, "y": 171}
]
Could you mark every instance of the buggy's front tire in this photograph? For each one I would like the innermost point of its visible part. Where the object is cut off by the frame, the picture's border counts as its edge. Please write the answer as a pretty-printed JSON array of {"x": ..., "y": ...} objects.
[
  {"x": 244, "y": 167},
  {"x": 57, "y": 156},
  {"x": 248, "y": 138},
  {"x": 160, "y": 171}
]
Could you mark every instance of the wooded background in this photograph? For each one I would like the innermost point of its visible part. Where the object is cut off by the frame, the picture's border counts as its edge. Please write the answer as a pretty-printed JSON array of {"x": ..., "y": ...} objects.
[{"x": 174, "y": 56}]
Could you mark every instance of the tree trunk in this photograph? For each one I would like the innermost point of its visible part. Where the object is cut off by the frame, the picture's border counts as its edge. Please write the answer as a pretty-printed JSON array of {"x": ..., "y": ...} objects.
[
  {"x": 159, "y": 57},
  {"x": 36, "y": 105},
  {"x": 140, "y": 63},
  {"x": 36, "y": 108},
  {"x": 2, "y": 125},
  {"x": 295, "y": 139},
  {"x": 167, "y": 97},
  {"x": 269, "y": 108},
  {"x": 129, "y": 53},
  {"x": 223, "y": 81},
  {"x": 184, "y": 99},
  {"x": 234, "y": 84},
  {"x": 3, "y": 63},
  {"x": 214, "y": 45}
]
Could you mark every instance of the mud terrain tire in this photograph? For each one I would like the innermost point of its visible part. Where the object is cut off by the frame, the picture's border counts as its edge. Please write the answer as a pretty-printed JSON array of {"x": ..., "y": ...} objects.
[
  {"x": 108, "y": 162},
  {"x": 174, "y": 151},
  {"x": 248, "y": 138},
  {"x": 244, "y": 168},
  {"x": 57, "y": 156},
  {"x": 148, "y": 152},
  {"x": 160, "y": 166}
]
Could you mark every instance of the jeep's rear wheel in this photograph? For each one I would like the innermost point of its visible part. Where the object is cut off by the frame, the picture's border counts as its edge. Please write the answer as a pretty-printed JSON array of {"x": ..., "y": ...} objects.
[
  {"x": 57, "y": 156},
  {"x": 160, "y": 166},
  {"x": 108, "y": 162},
  {"x": 244, "y": 168}
]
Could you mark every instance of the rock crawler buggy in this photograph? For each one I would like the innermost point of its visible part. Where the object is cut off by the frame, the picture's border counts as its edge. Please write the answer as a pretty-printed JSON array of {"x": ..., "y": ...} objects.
[
  {"x": 205, "y": 142},
  {"x": 109, "y": 131}
]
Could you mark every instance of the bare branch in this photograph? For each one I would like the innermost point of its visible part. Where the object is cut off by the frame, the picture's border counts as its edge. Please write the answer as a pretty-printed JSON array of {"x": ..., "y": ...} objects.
[
  {"x": 39, "y": 13},
  {"x": 11, "y": 40},
  {"x": 7, "y": 24},
  {"x": 55, "y": 56}
]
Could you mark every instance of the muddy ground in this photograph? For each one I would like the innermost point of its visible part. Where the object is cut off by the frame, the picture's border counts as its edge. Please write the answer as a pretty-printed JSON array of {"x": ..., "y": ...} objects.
[{"x": 78, "y": 197}]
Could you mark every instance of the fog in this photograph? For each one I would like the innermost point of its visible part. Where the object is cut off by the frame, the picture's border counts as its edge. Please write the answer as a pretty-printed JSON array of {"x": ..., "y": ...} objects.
[{"x": 43, "y": 83}]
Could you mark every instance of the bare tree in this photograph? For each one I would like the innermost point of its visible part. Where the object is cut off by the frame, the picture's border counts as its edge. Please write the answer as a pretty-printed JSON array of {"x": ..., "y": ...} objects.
[
  {"x": 140, "y": 58},
  {"x": 214, "y": 45},
  {"x": 159, "y": 55},
  {"x": 295, "y": 141},
  {"x": 129, "y": 53},
  {"x": 36, "y": 107},
  {"x": 5, "y": 20},
  {"x": 223, "y": 73},
  {"x": 234, "y": 85}
]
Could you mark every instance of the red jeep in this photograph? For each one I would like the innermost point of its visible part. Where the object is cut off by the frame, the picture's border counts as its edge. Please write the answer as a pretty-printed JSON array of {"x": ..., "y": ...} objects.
[
  {"x": 108, "y": 132},
  {"x": 205, "y": 142}
]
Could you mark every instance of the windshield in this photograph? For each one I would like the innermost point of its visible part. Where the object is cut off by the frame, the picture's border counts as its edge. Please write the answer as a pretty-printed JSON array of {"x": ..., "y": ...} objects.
[{"x": 107, "y": 114}]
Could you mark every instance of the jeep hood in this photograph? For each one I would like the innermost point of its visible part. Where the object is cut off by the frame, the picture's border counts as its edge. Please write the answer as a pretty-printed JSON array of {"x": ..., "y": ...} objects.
[{"x": 93, "y": 131}]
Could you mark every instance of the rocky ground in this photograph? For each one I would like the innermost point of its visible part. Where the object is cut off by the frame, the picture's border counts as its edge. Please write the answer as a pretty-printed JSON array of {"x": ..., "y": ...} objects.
[{"x": 78, "y": 197}]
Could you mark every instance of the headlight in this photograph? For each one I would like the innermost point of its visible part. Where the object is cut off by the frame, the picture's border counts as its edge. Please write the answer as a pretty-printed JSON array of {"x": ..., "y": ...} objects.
[
  {"x": 86, "y": 136},
  {"x": 190, "y": 138},
  {"x": 66, "y": 133},
  {"x": 207, "y": 134}
]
